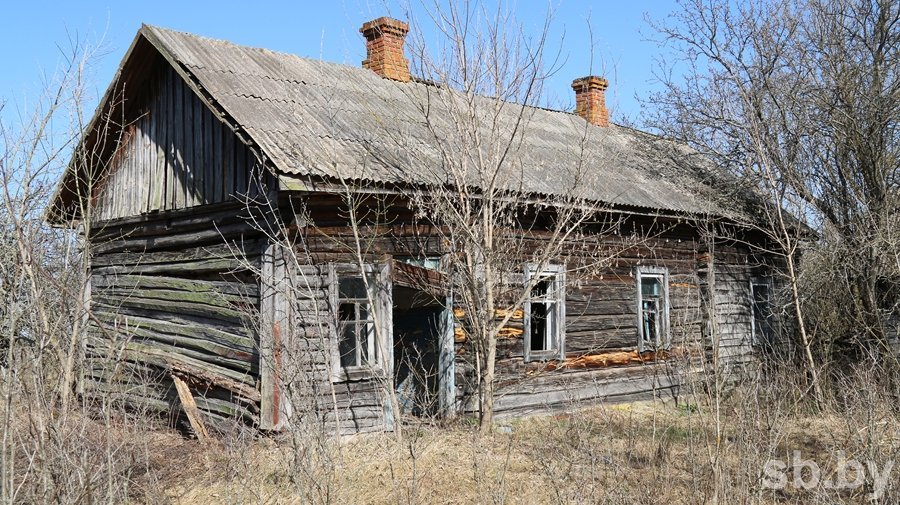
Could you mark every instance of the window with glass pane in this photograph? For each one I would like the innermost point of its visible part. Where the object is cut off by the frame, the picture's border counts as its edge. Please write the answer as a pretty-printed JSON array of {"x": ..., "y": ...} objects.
[
  {"x": 653, "y": 330},
  {"x": 356, "y": 326},
  {"x": 544, "y": 313}
]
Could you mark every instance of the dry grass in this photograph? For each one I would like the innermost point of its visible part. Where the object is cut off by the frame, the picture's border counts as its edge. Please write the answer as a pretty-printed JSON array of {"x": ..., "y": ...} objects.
[{"x": 638, "y": 453}]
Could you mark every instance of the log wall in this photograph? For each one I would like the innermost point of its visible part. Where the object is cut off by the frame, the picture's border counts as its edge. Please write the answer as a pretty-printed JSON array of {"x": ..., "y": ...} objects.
[
  {"x": 314, "y": 394},
  {"x": 601, "y": 336},
  {"x": 601, "y": 324},
  {"x": 176, "y": 296}
]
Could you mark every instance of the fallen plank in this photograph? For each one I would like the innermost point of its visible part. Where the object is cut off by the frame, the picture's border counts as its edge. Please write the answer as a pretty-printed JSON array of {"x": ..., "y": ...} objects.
[{"x": 190, "y": 408}]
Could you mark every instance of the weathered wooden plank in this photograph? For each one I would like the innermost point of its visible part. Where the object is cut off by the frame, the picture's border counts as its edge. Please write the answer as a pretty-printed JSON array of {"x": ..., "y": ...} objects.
[
  {"x": 240, "y": 170},
  {"x": 212, "y": 298},
  {"x": 234, "y": 252},
  {"x": 177, "y": 221},
  {"x": 192, "y": 130},
  {"x": 273, "y": 331},
  {"x": 171, "y": 142},
  {"x": 190, "y": 408},
  {"x": 175, "y": 317},
  {"x": 230, "y": 315},
  {"x": 184, "y": 359},
  {"x": 214, "y": 160},
  {"x": 195, "y": 267},
  {"x": 180, "y": 128},
  {"x": 229, "y": 184},
  {"x": 141, "y": 340},
  {"x": 188, "y": 239}
]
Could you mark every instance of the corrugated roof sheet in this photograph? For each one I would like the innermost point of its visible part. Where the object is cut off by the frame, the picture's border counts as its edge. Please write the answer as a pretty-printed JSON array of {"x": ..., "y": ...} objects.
[{"x": 314, "y": 118}]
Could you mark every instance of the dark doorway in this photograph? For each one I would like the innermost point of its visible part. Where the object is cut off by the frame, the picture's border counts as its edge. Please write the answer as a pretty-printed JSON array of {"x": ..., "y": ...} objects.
[{"x": 417, "y": 334}]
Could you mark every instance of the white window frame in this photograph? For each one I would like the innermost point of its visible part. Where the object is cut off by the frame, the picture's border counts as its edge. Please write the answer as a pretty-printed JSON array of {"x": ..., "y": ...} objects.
[
  {"x": 663, "y": 338},
  {"x": 759, "y": 280},
  {"x": 380, "y": 303},
  {"x": 555, "y": 344}
]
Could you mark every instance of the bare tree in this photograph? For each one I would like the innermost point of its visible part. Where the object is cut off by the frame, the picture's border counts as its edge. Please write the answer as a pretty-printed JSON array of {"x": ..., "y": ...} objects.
[
  {"x": 50, "y": 448},
  {"x": 801, "y": 99},
  {"x": 485, "y": 76}
]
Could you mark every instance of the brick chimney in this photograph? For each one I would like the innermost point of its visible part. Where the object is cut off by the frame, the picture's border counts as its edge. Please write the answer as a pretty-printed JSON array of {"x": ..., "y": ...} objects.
[
  {"x": 590, "y": 99},
  {"x": 384, "y": 45}
]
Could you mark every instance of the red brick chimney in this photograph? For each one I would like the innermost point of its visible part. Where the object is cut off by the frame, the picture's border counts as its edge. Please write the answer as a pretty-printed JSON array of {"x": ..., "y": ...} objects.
[
  {"x": 590, "y": 99},
  {"x": 384, "y": 45}
]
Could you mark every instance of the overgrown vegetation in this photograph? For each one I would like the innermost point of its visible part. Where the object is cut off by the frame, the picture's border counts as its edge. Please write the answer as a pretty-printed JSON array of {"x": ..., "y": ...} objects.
[
  {"x": 633, "y": 453},
  {"x": 801, "y": 101}
]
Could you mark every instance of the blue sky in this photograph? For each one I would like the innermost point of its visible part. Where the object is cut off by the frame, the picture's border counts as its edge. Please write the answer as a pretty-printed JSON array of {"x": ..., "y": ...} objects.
[{"x": 31, "y": 31}]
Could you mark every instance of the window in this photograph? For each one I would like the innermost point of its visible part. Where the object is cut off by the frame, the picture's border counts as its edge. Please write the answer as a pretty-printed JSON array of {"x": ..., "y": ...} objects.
[
  {"x": 545, "y": 313},
  {"x": 653, "y": 308},
  {"x": 356, "y": 324},
  {"x": 359, "y": 301},
  {"x": 762, "y": 322}
]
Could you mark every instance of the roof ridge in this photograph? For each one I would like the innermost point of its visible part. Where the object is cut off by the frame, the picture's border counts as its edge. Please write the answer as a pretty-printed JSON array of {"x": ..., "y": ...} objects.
[
  {"x": 227, "y": 42},
  {"x": 417, "y": 79}
]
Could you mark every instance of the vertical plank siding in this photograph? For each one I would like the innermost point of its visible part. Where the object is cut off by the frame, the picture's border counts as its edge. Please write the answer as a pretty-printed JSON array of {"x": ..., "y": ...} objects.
[{"x": 174, "y": 154}]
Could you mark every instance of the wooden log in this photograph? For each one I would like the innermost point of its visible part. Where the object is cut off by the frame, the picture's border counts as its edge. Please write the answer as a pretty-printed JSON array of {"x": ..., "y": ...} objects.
[
  {"x": 183, "y": 360},
  {"x": 202, "y": 308},
  {"x": 174, "y": 240},
  {"x": 144, "y": 282},
  {"x": 238, "y": 358}
]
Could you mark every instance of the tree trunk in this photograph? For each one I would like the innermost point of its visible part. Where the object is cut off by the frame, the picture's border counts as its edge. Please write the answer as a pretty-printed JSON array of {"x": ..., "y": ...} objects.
[{"x": 798, "y": 311}]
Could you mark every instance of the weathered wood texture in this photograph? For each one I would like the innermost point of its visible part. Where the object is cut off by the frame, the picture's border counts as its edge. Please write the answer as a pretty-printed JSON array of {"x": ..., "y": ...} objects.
[
  {"x": 176, "y": 295},
  {"x": 563, "y": 390},
  {"x": 174, "y": 153},
  {"x": 733, "y": 312},
  {"x": 601, "y": 317},
  {"x": 304, "y": 355},
  {"x": 173, "y": 297}
]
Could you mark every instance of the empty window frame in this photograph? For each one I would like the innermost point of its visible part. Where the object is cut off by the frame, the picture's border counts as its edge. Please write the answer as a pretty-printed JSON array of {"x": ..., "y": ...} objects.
[
  {"x": 762, "y": 323},
  {"x": 653, "y": 308},
  {"x": 545, "y": 313},
  {"x": 358, "y": 301}
]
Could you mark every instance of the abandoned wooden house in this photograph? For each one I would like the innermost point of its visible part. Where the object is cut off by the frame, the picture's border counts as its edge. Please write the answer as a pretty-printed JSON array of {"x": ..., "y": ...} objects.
[{"x": 188, "y": 182}]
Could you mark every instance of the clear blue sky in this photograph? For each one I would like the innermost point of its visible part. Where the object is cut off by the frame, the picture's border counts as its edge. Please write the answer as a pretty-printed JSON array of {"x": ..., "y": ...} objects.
[{"x": 30, "y": 32}]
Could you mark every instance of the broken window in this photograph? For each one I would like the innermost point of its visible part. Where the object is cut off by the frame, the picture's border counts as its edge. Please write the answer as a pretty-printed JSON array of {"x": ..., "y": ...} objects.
[
  {"x": 545, "y": 313},
  {"x": 762, "y": 322},
  {"x": 653, "y": 316},
  {"x": 357, "y": 300}
]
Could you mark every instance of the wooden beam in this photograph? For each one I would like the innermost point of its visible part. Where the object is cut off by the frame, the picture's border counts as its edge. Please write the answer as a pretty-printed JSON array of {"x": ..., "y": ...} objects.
[
  {"x": 421, "y": 279},
  {"x": 275, "y": 330},
  {"x": 190, "y": 408}
]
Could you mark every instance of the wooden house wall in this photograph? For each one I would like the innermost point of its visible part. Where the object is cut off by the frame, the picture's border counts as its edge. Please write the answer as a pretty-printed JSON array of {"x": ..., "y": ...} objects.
[
  {"x": 733, "y": 311},
  {"x": 601, "y": 320},
  {"x": 348, "y": 406},
  {"x": 303, "y": 363},
  {"x": 174, "y": 153},
  {"x": 176, "y": 296},
  {"x": 601, "y": 323}
]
